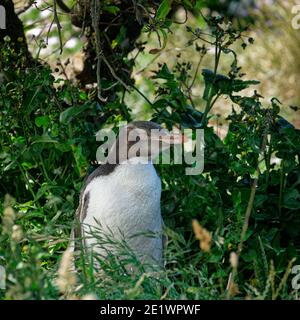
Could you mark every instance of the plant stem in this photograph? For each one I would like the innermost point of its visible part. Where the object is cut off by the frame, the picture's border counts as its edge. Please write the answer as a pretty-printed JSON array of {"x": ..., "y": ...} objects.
[
  {"x": 210, "y": 102},
  {"x": 249, "y": 209},
  {"x": 281, "y": 185}
]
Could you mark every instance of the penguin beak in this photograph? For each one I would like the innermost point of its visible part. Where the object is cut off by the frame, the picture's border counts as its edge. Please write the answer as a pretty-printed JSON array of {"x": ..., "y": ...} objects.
[{"x": 172, "y": 138}]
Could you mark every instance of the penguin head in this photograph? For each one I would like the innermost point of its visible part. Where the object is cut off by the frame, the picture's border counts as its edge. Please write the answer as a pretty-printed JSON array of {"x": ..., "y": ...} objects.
[{"x": 144, "y": 140}]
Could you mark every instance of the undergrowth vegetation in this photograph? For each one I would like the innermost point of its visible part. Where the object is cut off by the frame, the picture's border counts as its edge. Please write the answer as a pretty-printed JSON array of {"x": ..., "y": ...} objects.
[{"x": 245, "y": 204}]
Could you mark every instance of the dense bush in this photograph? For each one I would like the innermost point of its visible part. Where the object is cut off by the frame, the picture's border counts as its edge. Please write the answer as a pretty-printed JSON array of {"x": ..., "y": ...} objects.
[{"x": 247, "y": 197}]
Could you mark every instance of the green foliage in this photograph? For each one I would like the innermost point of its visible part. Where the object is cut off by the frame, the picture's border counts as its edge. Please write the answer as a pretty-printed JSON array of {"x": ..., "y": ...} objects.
[{"x": 48, "y": 131}]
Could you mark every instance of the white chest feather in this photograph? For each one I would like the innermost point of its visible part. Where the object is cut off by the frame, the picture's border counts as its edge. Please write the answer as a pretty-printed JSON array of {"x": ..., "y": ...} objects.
[{"x": 127, "y": 202}]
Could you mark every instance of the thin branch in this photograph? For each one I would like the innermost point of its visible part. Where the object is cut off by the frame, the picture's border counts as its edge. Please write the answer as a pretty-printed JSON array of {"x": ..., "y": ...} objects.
[
  {"x": 141, "y": 94},
  {"x": 25, "y": 8},
  {"x": 59, "y": 27},
  {"x": 112, "y": 71},
  {"x": 63, "y": 6},
  {"x": 110, "y": 87},
  {"x": 196, "y": 72},
  {"x": 84, "y": 19},
  {"x": 95, "y": 13}
]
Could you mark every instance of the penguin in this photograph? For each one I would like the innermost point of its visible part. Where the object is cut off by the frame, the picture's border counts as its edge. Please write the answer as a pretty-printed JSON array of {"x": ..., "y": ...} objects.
[{"x": 122, "y": 196}]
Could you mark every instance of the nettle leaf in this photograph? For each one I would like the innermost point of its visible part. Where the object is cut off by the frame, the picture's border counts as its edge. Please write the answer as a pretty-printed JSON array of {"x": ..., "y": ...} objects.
[
  {"x": 247, "y": 103},
  {"x": 210, "y": 79},
  {"x": 159, "y": 104},
  {"x": 209, "y": 76},
  {"x": 220, "y": 84},
  {"x": 191, "y": 118},
  {"x": 283, "y": 124},
  {"x": 239, "y": 85},
  {"x": 164, "y": 9},
  {"x": 164, "y": 73}
]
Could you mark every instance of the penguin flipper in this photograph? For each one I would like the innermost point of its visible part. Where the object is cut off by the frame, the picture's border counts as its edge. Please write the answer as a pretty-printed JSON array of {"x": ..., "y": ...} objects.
[{"x": 80, "y": 215}]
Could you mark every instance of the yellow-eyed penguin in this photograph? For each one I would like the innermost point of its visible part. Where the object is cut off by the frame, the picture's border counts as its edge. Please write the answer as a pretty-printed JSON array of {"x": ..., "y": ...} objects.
[{"x": 123, "y": 196}]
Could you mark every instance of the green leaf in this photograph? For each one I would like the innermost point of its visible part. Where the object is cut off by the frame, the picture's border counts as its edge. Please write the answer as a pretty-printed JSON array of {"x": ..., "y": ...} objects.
[
  {"x": 165, "y": 39},
  {"x": 69, "y": 114},
  {"x": 42, "y": 121},
  {"x": 80, "y": 159},
  {"x": 120, "y": 37},
  {"x": 43, "y": 139},
  {"x": 164, "y": 9},
  {"x": 220, "y": 84},
  {"x": 111, "y": 9},
  {"x": 159, "y": 104},
  {"x": 27, "y": 165},
  {"x": 83, "y": 95},
  {"x": 291, "y": 199},
  {"x": 164, "y": 73},
  {"x": 63, "y": 147},
  {"x": 250, "y": 255}
]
